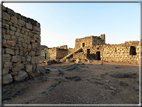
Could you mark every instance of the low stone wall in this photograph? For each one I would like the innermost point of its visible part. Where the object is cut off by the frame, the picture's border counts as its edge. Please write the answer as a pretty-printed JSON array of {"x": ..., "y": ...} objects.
[
  {"x": 80, "y": 55},
  {"x": 116, "y": 53},
  {"x": 60, "y": 53},
  {"x": 20, "y": 46}
]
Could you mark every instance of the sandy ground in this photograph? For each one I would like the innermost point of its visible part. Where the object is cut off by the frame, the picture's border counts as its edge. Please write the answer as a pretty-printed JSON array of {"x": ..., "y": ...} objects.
[{"x": 90, "y": 83}]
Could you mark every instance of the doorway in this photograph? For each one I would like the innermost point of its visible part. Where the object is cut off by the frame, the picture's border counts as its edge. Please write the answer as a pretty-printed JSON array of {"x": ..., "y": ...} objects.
[
  {"x": 98, "y": 55},
  {"x": 45, "y": 55},
  {"x": 83, "y": 44},
  {"x": 88, "y": 51}
]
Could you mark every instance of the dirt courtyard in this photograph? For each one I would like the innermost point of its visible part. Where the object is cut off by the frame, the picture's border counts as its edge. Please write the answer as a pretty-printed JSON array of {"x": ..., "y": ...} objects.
[{"x": 85, "y": 83}]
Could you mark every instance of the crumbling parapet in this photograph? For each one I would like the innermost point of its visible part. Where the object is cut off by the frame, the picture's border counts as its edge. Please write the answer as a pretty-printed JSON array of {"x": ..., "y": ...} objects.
[{"x": 20, "y": 46}]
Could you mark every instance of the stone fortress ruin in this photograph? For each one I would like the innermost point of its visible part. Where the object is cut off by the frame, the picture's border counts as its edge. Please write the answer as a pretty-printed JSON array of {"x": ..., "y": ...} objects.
[
  {"x": 20, "y": 46},
  {"x": 95, "y": 48},
  {"x": 21, "y": 49}
]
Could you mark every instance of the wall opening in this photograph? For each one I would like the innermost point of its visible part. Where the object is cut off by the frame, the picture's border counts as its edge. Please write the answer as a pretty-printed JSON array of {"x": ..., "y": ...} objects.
[
  {"x": 132, "y": 50},
  {"x": 83, "y": 44},
  {"x": 88, "y": 51},
  {"x": 98, "y": 48},
  {"x": 45, "y": 55},
  {"x": 98, "y": 55}
]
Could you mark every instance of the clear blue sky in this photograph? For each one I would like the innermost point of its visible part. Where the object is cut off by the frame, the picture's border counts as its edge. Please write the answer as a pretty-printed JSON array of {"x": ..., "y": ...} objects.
[{"x": 62, "y": 23}]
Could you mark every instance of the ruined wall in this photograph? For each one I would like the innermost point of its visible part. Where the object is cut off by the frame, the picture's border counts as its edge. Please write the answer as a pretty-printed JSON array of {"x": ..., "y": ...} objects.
[
  {"x": 80, "y": 55},
  {"x": 20, "y": 46},
  {"x": 97, "y": 41},
  {"x": 64, "y": 47},
  {"x": 53, "y": 53},
  {"x": 90, "y": 41},
  {"x": 60, "y": 53},
  {"x": 116, "y": 53},
  {"x": 86, "y": 40}
]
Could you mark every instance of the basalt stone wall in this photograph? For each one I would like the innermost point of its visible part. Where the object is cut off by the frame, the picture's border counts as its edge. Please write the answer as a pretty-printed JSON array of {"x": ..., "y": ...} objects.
[
  {"x": 90, "y": 41},
  {"x": 127, "y": 52},
  {"x": 20, "y": 46}
]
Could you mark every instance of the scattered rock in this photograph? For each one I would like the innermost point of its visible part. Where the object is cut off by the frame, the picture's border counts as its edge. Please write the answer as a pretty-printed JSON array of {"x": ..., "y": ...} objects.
[
  {"x": 107, "y": 81},
  {"x": 77, "y": 78},
  {"x": 60, "y": 72},
  {"x": 112, "y": 88},
  {"x": 7, "y": 79},
  {"x": 20, "y": 76},
  {"x": 121, "y": 75},
  {"x": 123, "y": 83}
]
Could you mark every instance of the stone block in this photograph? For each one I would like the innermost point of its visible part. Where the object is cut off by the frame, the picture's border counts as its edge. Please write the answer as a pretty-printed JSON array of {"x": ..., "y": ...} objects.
[
  {"x": 10, "y": 42},
  {"x": 5, "y": 71},
  {"x": 5, "y": 36},
  {"x": 21, "y": 22},
  {"x": 36, "y": 28},
  {"x": 16, "y": 58},
  {"x": 32, "y": 53},
  {"x": 23, "y": 59},
  {"x": 35, "y": 60},
  {"x": 6, "y": 16},
  {"x": 13, "y": 28},
  {"x": 17, "y": 34},
  {"x": 37, "y": 52},
  {"x": 13, "y": 19},
  {"x": 7, "y": 79},
  {"x": 12, "y": 33},
  {"x": 18, "y": 67},
  {"x": 7, "y": 64},
  {"x": 29, "y": 26},
  {"x": 28, "y": 68},
  {"x": 28, "y": 58},
  {"x": 6, "y": 57},
  {"x": 9, "y": 51},
  {"x": 20, "y": 76},
  {"x": 5, "y": 25}
]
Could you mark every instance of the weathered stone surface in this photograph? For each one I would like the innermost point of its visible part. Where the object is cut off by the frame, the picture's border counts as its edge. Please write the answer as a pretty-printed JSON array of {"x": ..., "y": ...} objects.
[
  {"x": 28, "y": 58},
  {"x": 21, "y": 39},
  {"x": 6, "y": 16},
  {"x": 5, "y": 36},
  {"x": 29, "y": 26},
  {"x": 16, "y": 58},
  {"x": 37, "y": 52},
  {"x": 11, "y": 32},
  {"x": 28, "y": 68},
  {"x": 20, "y": 76},
  {"x": 7, "y": 64},
  {"x": 21, "y": 22},
  {"x": 23, "y": 59},
  {"x": 32, "y": 53},
  {"x": 6, "y": 57},
  {"x": 29, "y": 46},
  {"x": 14, "y": 38},
  {"x": 36, "y": 28},
  {"x": 18, "y": 67},
  {"x": 34, "y": 60},
  {"x": 34, "y": 45},
  {"x": 25, "y": 45},
  {"x": 16, "y": 52},
  {"x": 14, "y": 19},
  {"x": 9, "y": 51},
  {"x": 10, "y": 42},
  {"x": 5, "y": 25},
  {"x": 5, "y": 71},
  {"x": 7, "y": 79},
  {"x": 13, "y": 28}
]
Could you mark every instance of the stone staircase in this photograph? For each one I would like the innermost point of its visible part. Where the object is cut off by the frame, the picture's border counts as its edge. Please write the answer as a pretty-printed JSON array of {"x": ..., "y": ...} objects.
[{"x": 69, "y": 55}]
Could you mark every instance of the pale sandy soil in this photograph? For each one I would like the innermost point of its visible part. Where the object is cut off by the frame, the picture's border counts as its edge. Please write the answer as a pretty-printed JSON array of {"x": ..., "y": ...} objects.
[{"x": 95, "y": 87}]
